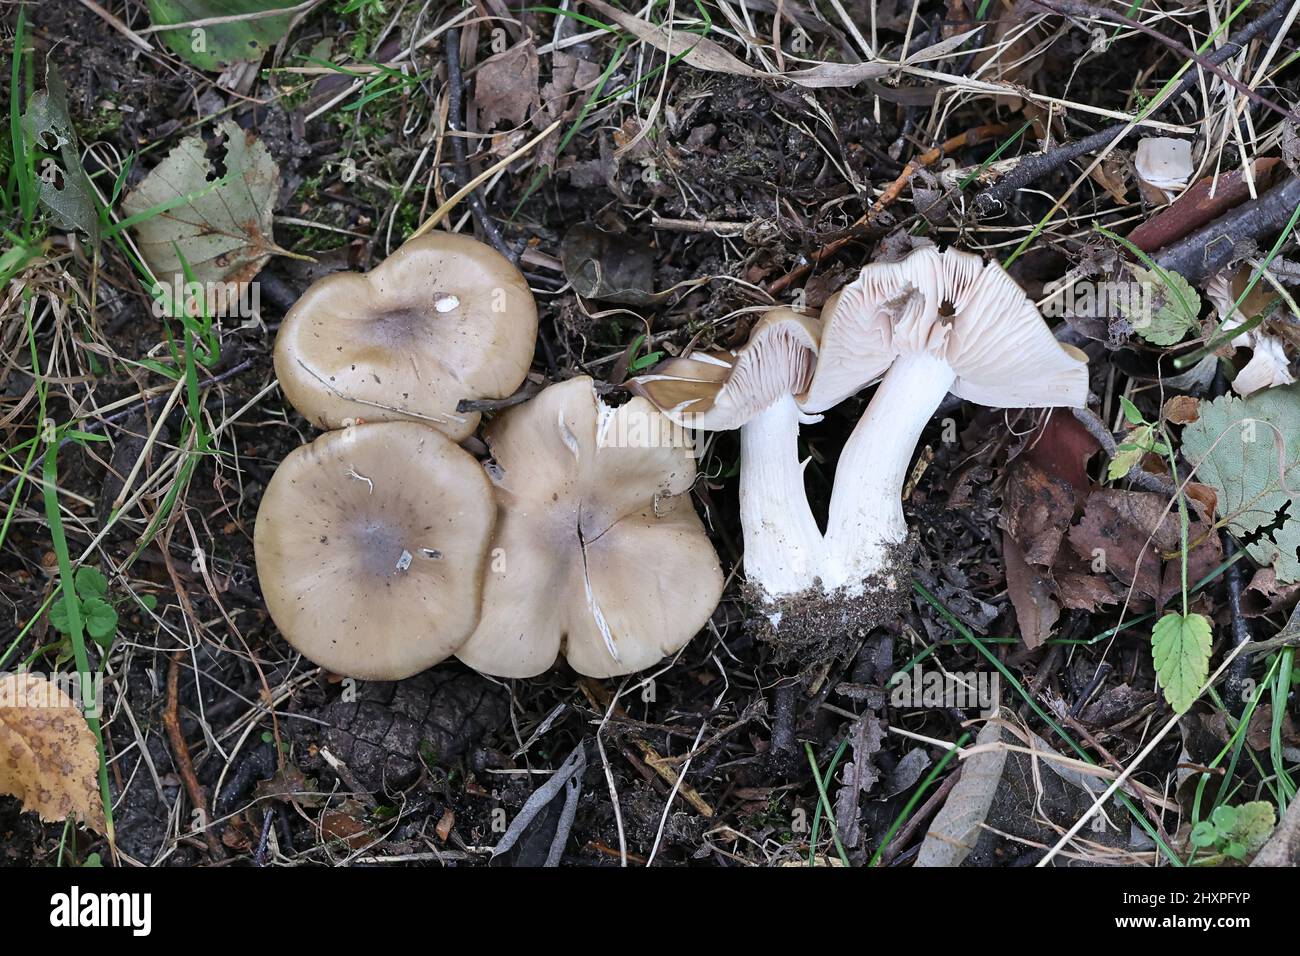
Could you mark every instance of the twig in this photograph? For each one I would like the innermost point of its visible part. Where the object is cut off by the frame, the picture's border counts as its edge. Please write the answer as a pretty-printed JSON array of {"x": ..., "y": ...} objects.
[
  {"x": 918, "y": 819},
  {"x": 456, "y": 124},
  {"x": 1088, "y": 11},
  {"x": 1210, "y": 248},
  {"x": 1032, "y": 168},
  {"x": 181, "y": 752},
  {"x": 971, "y": 137},
  {"x": 1235, "y": 685},
  {"x": 1098, "y": 430}
]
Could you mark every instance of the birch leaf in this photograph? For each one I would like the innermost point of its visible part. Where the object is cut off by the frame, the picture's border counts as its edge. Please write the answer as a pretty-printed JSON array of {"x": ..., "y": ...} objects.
[
  {"x": 218, "y": 214},
  {"x": 48, "y": 756}
]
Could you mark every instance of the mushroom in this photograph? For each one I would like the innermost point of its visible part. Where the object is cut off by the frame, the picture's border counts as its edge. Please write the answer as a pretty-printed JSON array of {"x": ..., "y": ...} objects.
[
  {"x": 1163, "y": 163},
  {"x": 1268, "y": 366},
  {"x": 930, "y": 323},
  {"x": 598, "y": 553},
  {"x": 370, "y": 545},
  {"x": 443, "y": 318},
  {"x": 757, "y": 389}
]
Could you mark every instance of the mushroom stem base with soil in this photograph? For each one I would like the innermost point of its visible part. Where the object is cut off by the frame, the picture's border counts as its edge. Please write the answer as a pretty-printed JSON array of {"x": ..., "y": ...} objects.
[
  {"x": 866, "y": 528},
  {"x": 783, "y": 544}
]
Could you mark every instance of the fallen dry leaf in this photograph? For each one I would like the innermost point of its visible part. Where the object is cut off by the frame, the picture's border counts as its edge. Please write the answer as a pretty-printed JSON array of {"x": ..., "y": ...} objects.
[
  {"x": 223, "y": 229},
  {"x": 48, "y": 755},
  {"x": 505, "y": 85},
  {"x": 1135, "y": 536},
  {"x": 1030, "y": 589}
]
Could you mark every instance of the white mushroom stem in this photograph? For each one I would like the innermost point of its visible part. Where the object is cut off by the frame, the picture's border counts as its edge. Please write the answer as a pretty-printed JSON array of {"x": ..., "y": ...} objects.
[
  {"x": 783, "y": 544},
  {"x": 866, "y": 512}
]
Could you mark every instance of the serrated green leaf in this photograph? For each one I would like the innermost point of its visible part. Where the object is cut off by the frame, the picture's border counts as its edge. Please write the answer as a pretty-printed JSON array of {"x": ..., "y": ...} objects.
[
  {"x": 1254, "y": 824},
  {"x": 1170, "y": 308},
  {"x": 214, "y": 46},
  {"x": 100, "y": 618},
  {"x": 90, "y": 582},
  {"x": 1248, "y": 450},
  {"x": 1180, "y": 648}
]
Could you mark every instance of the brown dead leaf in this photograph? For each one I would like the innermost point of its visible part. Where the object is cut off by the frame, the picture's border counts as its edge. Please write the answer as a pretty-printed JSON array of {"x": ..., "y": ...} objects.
[
  {"x": 505, "y": 86},
  {"x": 1265, "y": 596},
  {"x": 1181, "y": 410},
  {"x": 1037, "y": 508},
  {"x": 1063, "y": 448},
  {"x": 48, "y": 756},
  {"x": 1134, "y": 535},
  {"x": 1031, "y": 593}
]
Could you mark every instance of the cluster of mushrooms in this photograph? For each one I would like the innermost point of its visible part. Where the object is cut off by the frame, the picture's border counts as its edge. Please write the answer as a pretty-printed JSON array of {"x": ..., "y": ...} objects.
[
  {"x": 384, "y": 546},
  {"x": 929, "y": 324}
]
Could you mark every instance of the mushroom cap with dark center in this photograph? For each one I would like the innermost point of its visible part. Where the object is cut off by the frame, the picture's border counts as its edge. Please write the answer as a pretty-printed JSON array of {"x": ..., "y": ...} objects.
[
  {"x": 958, "y": 308},
  {"x": 443, "y": 318},
  {"x": 717, "y": 390},
  {"x": 370, "y": 545},
  {"x": 598, "y": 554}
]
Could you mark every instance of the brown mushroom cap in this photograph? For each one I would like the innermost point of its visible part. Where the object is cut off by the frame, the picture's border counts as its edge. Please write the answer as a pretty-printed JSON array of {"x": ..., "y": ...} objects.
[
  {"x": 370, "y": 546},
  {"x": 599, "y": 554},
  {"x": 717, "y": 391},
  {"x": 443, "y": 318}
]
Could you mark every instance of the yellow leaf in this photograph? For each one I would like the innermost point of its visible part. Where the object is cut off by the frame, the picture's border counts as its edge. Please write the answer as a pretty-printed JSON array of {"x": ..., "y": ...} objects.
[{"x": 48, "y": 756}]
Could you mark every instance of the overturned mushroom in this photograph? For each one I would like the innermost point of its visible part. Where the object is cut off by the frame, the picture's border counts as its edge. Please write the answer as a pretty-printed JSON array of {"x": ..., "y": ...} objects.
[
  {"x": 370, "y": 545},
  {"x": 443, "y": 318},
  {"x": 1268, "y": 366},
  {"x": 757, "y": 389},
  {"x": 930, "y": 324},
  {"x": 1163, "y": 163},
  {"x": 598, "y": 554}
]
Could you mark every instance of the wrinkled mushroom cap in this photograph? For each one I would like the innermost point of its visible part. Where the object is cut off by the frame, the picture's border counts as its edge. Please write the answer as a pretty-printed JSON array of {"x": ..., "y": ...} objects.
[
  {"x": 443, "y": 318},
  {"x": 598, "y": 554},
  {"x": 370, "y": 546},
  {"x": 956, "y": 307},
  {"x": 716, "y": 391}
]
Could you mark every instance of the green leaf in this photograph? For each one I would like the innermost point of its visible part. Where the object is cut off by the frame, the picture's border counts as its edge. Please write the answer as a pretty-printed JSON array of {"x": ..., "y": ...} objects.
[
  {"x": 90, "y": 582},
  {"x": 1254, "y": 824},
  {"x": 1131, "y": 411},
  {"x": 1129, "y": 453},
  {"x": 215, "y": 46},
  {"x": 101, "y": 619},
  {"x": 1224, "y": 818},
  {"x": 1170, "y": 308},
  {"x": 1180, "y": 647},
  {"x": 150, "y": 601},
  {"x": 1203, "y": 834},
  {"x": 59, "y": 617},
  {"x": 1248, "y": 451}
]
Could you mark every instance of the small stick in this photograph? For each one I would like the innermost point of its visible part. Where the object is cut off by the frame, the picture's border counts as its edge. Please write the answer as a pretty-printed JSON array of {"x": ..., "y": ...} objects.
[
  {"x": 1035, "y": 167},
  {"x": 456, "y": 124},
  {"x": 971, "y": 137}
]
